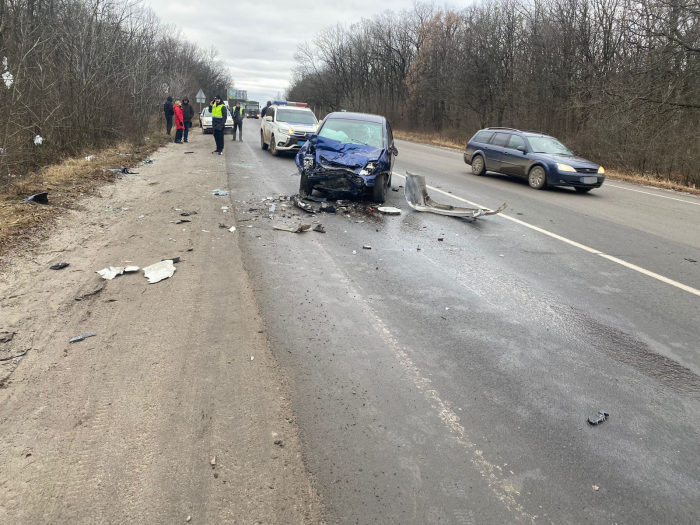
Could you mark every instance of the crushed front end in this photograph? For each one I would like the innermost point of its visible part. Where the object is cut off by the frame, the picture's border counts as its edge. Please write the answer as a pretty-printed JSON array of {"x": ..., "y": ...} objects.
[{"x": 340, "y": 169}]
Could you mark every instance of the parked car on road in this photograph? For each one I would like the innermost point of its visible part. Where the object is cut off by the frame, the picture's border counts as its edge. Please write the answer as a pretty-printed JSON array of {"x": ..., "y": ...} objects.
[
  {"x": 205, "y": 120},
  {"x": 352, "y": 154},
  {"x": 287, "y": 126},
  {"x": 542, "y": 159}
]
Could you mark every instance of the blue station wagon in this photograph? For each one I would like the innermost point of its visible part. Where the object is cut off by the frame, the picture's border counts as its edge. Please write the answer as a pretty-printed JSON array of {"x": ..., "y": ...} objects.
[{"x": 542, "y": 159}]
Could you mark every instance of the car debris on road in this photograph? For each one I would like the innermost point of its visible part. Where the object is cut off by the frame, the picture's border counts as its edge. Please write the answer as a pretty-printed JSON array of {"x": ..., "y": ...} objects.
[
  {"x": 159, "y": 271},
  {"x": 39, "y": 198},
  {"x": 417, "y": 197},
  {"x": 299, "y": 229},
  {"x": 219, "y": 193},
  {"x": 598, "y": 418},
  {"x": 111, "y": 272},
  {"x": 81, "y": 337},
  {"x": 59, "y": 266}
]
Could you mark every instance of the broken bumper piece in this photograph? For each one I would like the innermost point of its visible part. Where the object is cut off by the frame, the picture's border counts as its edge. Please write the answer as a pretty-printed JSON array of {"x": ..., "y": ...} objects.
[{"x": 418, "y": 199}]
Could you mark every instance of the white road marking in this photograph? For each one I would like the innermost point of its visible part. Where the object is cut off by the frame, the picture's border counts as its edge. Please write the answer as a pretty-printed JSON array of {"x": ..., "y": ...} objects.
[
  {"x": 631, "y": 266},
  {"x": 652, "y": 194}
]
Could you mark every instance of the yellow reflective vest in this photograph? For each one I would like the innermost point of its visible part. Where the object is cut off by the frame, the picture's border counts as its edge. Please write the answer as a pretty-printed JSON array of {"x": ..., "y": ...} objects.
[{"x": 216, "y": 110}]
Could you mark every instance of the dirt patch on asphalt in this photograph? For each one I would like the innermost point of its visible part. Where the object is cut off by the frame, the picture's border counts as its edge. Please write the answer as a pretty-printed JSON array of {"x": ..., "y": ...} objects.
[{"x": 176, "y": 408}]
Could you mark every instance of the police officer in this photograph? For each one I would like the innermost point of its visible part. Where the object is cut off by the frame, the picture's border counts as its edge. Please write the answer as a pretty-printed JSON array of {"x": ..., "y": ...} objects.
[
  {"x": 264, "y": 110},
  {"x": 238, "y": 113},
  {"x": 218, "y": 123}
]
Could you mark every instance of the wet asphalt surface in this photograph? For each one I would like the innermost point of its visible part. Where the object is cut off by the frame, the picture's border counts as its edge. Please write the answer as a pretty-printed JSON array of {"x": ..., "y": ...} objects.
[{"x": 451, "y": 383}]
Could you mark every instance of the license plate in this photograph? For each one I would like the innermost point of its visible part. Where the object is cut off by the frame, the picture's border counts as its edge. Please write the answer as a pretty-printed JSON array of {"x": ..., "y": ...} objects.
[
  {"x": 301, "y": 142},
  {"x": 589, "y": 180}
]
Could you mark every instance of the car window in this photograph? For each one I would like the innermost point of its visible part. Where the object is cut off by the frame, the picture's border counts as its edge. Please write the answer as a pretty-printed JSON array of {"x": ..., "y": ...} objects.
[
  {"x": 353, "y": 132},
  {"x": 206, "y": 112},
  {"x": 296, "y": 117},
  {"x": 516, "y": 141},
  {"x": 483, "y": 137},
  {"x": 501, "y": 139},
  {"x": 548, "y": 145}
]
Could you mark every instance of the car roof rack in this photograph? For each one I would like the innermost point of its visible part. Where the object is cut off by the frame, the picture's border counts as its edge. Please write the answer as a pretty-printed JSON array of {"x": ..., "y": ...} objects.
[
  {"x": 535, "y": 131},
  {"x": 498, "y": 127}
]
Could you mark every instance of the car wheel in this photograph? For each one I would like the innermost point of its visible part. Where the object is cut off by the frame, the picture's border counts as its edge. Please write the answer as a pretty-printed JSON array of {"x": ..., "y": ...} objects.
[
  {"x": 537, "y": 178},
  {"x": 379, "y": 190},
  {"x": 583, "y": 190},
  {"x": 305, "y": 188},
  {"x": 478, "y": 165},
  {"x": 262, "y": 141},
  {"x": 273, "y": 146}
]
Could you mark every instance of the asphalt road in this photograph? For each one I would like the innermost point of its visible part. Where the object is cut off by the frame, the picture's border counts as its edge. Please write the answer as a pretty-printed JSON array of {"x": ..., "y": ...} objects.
[{"x": 451, "y": 383}]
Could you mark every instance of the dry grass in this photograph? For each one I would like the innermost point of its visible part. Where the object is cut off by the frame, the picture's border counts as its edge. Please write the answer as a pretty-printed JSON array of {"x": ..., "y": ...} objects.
[
  {"x": 436, "y": 139},
  {"x": 66, "y": 183}
]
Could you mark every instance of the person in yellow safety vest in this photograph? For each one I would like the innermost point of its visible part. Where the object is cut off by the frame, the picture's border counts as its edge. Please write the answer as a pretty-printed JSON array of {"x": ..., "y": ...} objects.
[{"x": 219, "y": 114}]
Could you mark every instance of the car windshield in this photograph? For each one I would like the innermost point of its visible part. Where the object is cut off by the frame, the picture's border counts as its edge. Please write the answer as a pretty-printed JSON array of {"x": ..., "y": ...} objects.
[
  {"x": 296, "y": 117},
  {"x": 548, "y": 145},
  {"x": 354, "y": 132}
]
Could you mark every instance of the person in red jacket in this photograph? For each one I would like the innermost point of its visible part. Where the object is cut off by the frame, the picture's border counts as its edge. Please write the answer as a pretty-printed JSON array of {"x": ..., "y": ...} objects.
[{"x": 179, "y": 122}]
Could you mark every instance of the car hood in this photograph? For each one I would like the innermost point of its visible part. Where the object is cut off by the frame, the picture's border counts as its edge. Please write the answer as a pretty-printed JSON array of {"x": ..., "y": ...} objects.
[
  {"x": 574, "y": 162},
  {"x": 338, "y": 154}
]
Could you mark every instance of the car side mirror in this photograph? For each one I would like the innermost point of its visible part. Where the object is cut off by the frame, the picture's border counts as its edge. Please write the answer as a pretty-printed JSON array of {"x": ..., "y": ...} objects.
[
  {"x": 523, "y": 149},
  {"x": 268, "y": 119},
  {"x": 395, "y": 151}
]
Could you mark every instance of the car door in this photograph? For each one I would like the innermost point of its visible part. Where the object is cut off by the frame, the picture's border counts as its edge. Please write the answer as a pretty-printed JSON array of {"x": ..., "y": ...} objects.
[
  {"x": 267, "y": 126},
  {"x": 494, "y": 149},
  {"x": 390, "y": 145},
  {"x": 514, "y": 161}
]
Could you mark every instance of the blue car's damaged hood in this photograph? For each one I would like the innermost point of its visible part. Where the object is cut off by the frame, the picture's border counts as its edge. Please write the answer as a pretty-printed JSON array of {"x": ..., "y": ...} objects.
[{"x": 336, "y": 154}]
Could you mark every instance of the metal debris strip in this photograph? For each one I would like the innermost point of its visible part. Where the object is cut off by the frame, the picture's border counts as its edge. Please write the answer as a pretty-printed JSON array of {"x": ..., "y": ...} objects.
[
  {"x": 296, "y": 200},
  {"x": 219, "y": 193},
  {"x": 81, "y": 337},
  {"x": 417, "y": 197},
  {"x": 299, "y": 229}
]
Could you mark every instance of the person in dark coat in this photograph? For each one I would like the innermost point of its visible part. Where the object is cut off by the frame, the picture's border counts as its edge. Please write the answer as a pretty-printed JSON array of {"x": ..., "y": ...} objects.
[
  {"x": 238, "y": 115},
  {"x": 219, "y": 114},
  {"x": 169, "y": 112},
  {"x": 179, "y": 122},
  {"x": 264, "y": 110},
  {"x": 187, "y": 116}
]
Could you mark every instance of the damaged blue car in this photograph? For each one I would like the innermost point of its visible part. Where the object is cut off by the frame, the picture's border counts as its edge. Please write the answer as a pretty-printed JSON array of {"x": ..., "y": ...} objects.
[{"x": 352, "y": 154}]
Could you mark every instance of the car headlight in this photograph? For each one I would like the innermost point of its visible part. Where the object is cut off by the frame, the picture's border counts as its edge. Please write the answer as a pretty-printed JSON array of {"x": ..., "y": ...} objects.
[
  {"x": 565, "y": 167},
  {"x": 369, "y": 168},
  {"x": 601, "y": 170}
]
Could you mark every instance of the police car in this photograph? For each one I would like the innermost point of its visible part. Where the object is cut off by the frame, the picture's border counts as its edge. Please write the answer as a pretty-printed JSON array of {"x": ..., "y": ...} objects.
[{"x": 287, "y": 126}]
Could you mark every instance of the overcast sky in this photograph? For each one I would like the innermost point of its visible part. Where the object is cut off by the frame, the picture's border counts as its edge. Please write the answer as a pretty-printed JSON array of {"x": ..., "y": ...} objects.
[{"x": 257, "y": 40}]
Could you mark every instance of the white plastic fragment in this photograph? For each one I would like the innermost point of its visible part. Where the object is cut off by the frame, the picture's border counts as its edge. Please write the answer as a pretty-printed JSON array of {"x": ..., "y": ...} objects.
[
  {"x": 159, "y": 271},
  {"x": 38, "y": 140},
  {"x": 389, "y": 210},
  {"x": 111, "y": 272},
  {"x": 232, "y": 229},
  {"x": 89, "y": 157}
]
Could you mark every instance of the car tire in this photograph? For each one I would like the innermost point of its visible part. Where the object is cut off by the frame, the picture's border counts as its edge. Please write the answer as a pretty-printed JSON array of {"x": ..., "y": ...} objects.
[
  {"x": 262, "y": 141},
  {"x": 379, "y": 189},
  {"x": 273, "y": 146},
  {"x": 537, "y": 178},
  {"x": 305, "y": 188},
  {"x": 583, "y": 190},
  {"x": 478, "y": 165}
]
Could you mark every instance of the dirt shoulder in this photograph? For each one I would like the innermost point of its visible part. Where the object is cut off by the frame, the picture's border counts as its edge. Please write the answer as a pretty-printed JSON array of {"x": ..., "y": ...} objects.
[
  {"x": 122, "y": 427},
  {"x": 443, "y": 141}
]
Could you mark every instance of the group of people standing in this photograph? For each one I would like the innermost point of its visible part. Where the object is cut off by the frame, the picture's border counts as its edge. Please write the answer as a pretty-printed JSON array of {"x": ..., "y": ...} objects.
[{"x": 183, "y": 113}]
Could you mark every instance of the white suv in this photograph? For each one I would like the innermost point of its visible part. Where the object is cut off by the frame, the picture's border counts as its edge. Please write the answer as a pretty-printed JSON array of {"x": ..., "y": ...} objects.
[{"x": 287, "y": 126}]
